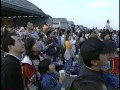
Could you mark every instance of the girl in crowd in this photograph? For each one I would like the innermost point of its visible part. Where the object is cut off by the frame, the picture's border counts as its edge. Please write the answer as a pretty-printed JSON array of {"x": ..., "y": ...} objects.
[
  {"x": 30, "y": 64},
  {"x": 68, "y": 55}
]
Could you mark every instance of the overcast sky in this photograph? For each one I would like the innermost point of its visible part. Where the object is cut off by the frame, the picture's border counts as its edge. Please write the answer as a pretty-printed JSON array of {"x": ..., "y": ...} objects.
[{"x": 83, "y": 12}]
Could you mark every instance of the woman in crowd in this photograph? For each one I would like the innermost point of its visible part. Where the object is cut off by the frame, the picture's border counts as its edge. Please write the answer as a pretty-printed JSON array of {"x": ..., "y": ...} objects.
[
  {"x": 68, "y": 55},
  {"x": 30, "y": 64},
  {"x": 51, "y": 46}
]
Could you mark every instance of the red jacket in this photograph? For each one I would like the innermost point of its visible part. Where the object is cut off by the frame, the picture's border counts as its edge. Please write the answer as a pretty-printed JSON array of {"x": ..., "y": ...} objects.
[{"x": 116, "y": 66}]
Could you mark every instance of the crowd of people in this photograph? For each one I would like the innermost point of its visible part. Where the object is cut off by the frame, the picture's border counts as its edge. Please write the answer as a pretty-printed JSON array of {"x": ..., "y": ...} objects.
[{"x": 32, "y": 58}]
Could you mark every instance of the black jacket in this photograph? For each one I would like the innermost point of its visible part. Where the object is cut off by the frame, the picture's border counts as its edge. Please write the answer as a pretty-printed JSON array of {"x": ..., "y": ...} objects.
[
  {"x": 100, "y": 74},
  {"x": 11, "y": 76},
  {"x": 85, "y": 71}
]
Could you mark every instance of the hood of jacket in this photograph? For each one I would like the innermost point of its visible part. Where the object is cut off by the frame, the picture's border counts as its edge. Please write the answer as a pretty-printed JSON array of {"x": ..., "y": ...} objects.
[{"x": 27, "y": 60}]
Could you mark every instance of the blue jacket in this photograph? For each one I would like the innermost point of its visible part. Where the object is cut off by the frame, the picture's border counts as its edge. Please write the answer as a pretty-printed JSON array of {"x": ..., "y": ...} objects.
[
  {"x": 49, "y": 81},
  {"x": 76, "y": 69},
  {"x": 112, "y": 79}
]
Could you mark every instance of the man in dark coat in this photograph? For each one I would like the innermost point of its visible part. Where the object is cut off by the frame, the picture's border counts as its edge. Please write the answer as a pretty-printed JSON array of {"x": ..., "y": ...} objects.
[
  {"x": 11, "y": 76},
  {"x": 95, "y": 54}
]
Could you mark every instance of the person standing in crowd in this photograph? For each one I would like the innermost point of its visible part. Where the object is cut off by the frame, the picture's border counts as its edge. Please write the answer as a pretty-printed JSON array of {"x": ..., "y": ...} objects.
[
  {"x": 21, "y": 32},
  {"x": 115, "y": 38},
  {"x": 51, "y": 45},
  {"x": 95, "y": 55},
  {"x": 68, "y": 55},
  {"x": 28, "y": 28},
  {"x": 8, "y": 29},
  {"x": 45, "y": 27},
  {"x": 105, "y": 35},
  {"x": 56, "y": 38},
  {"x": 29, "y": 32},
  {"x": 73, "y": 42},
  {"x": 30, "y": 64},
  {"x": 49, "y": 80},
  {"x": 93, "y": 34},
  {"x": 63, "y": 39},
  {"x": 81, "y": 37},
  {"x": 110, "y": 48},
  {"x": 11, "y": 74},
  {"x": 115, "y": 61},
  {"x": 110, "y": 66},
  {"x": 62, "y": 46},
  {"x": 42, "y": 42},
  {"x": 107, "y": 26}
]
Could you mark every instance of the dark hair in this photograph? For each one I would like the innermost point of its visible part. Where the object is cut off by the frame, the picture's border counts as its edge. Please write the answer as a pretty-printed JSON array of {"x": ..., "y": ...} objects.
[
  {"x": 29, "y": 42},
  {"x": 114, "y": 31},
  {"x": 118, "y": 33},
  {"x": 44, "y": 66},
  {"x": 109, "y": 46},
  {"x": 25, "y": 24},
  {"x": 7, "y": 40},
  {"x": 91, "y": 49},
  {"x": 67, "y": 38},
  {"x": 104, "y": 33},
  {"x": 41, "y": 36},
  {"x": 108, "y": 21},
  {"x": 80, "y": 34},
  {"x": 87, "y": 83},
  {"x": 6, "y": 29},
  {"x": 48, "y": 33},
  {"x": 45, "y": 23},
  {"x": 68, "y": 32}
]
